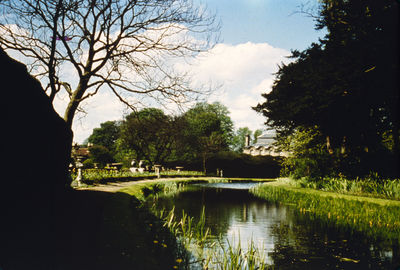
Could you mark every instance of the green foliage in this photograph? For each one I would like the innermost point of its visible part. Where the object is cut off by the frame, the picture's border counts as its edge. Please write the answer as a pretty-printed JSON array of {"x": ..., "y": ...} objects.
[
  {"x": 204, "y": 121},
  {"x": 370, "y": 187},
  {"x": 235, "y": 256},
  {"x": 308, "y": 157},
  {"x": 257, "y": 133},
  {"x": 103, "y": 176},
  {"x": 88, "y": 163},
  {"x": 239, "y": 139},
  {"x": 95, "y": 176},
  {"x": 236, "y": 165},
  {"x": 106, "y": 135},
  {"x": 242, "y": 165},
  {"x": 123, "y": 153},
  {"x": 208, "y": 129},
  {"x": 149, "y": 134},
  {"x": 211, "y": 118},
  {"x": 345, "y": 87},
  {"x": 158, "y": 138},
  {"x": 101, "y": 155}
]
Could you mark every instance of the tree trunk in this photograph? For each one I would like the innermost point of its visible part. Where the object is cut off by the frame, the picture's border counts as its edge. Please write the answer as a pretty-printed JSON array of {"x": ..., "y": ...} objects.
[
  {"x": 343, "y": 148},
  {"x": 396, "y": 142},
  {"x": 75, "y": 101},
  {"x": 204, "y": 163},
  {"x": 329, "y": 145}
]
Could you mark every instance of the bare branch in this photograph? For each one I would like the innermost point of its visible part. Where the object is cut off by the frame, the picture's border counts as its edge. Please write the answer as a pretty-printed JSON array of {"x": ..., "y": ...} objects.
[{"x": 127, "y": 46}]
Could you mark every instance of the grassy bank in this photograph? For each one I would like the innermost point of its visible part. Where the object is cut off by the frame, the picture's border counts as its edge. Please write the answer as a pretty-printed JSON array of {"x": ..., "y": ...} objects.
[
  {"x": 376, "y": 217},
  {"x": 375, "y": 187}
]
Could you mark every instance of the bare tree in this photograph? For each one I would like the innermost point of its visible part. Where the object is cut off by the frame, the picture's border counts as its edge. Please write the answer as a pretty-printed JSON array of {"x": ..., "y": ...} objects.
[{"x": 123, "y": 44}]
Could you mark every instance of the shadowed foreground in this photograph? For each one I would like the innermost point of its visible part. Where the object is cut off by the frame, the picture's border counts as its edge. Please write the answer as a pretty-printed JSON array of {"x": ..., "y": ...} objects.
[
  {"x": 110, "y": 231},
  {"x": 92, "y": 230}
]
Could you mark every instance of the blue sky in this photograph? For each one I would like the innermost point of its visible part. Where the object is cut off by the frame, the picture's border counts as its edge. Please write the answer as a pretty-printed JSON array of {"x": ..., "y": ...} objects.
[
  {"x": 277, "y": 22},
  {"x": 256, "y": 36}
]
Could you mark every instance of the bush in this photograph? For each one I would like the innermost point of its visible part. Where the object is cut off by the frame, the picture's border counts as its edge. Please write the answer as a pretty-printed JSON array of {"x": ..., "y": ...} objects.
[
  {"x": 242, "y": 165},
  {"x": 314, "y": 166},
  {"x": 88, "y": 164},
  {"x": 101, "y": 155},
  {"x": 235, "y": 165}
]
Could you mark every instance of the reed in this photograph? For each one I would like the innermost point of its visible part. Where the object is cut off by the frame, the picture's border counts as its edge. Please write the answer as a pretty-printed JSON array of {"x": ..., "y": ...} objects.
[
  {"x": 233, "y": 256},
  {"x": 371, "y": 187},
  {"x": 374, "y": 216},
  {"x": 196, "y": 247},
  {"x": 206, "y": 251}
]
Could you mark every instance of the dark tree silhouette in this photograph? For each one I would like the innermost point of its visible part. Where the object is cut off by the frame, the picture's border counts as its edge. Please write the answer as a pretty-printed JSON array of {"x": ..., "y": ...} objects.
[{"x": 347, "y": 85}]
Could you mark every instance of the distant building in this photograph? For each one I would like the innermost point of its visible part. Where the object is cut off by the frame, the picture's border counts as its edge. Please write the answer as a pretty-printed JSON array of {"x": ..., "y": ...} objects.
[
  {"x": 263, "y": 146},
  {"x": 80, "y": 151}
]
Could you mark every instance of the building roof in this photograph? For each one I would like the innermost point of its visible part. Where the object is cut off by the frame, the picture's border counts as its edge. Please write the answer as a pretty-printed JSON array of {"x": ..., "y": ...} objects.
[
  {"x": 84, "y": 152},
  {"x": 266, "y": 139}
]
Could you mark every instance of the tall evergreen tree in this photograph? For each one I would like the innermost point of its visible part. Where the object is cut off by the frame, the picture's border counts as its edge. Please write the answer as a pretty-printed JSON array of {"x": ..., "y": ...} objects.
[{"x": 347, "y": 84}]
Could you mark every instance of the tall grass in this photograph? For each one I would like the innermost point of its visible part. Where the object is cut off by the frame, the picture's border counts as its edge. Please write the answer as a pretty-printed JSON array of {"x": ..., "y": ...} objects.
[
  {"x": 380, "y": 188},
  {"x": 373, "y": 216},
  {"x": 206, "y": 251},
  {"x": 233, "y": 256}
]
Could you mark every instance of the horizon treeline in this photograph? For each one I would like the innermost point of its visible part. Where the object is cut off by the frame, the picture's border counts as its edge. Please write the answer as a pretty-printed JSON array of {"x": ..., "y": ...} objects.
[{"x": 158, "y": 138}]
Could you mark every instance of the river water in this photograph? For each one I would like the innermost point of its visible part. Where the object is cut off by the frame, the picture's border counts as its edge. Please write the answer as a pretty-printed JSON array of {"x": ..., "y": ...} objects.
[{"x": 290, "y": 239}]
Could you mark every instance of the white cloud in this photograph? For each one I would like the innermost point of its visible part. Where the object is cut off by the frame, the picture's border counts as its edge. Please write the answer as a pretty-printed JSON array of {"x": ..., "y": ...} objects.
[
  {"x": 245, "y": 71},
  {"x": 228, "y": 62},
  {"x": 101, "y": 108},
  {"x": 263, "y": 87}
]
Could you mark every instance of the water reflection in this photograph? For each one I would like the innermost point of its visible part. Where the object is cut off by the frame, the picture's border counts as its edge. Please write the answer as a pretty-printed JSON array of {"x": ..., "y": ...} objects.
[{"x": 290, "y": 239}]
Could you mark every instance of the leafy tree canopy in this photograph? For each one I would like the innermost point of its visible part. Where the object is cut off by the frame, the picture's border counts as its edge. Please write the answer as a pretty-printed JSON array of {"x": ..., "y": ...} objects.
[
  {"x": 150, "y": 134},
  {"x": 101, "y": 155},
  {"x": 239, "y": 140},
  {"x": 106, "y": 135},
  {"x": 208, "y": 129},
  {"x": 346, "y": 85},
  {"x": 158, "y": 138},
  {"x": 205, "y": 119}
]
